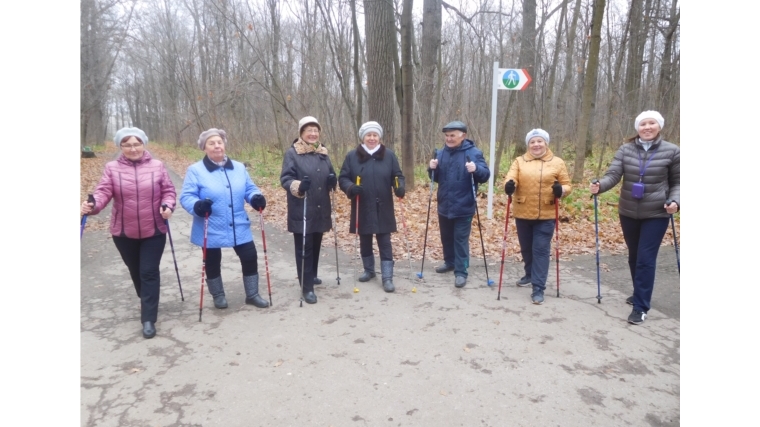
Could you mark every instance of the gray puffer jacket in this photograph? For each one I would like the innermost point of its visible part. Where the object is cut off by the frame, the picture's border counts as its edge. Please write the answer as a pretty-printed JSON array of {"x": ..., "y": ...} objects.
[{"x": 662, "y": 178}]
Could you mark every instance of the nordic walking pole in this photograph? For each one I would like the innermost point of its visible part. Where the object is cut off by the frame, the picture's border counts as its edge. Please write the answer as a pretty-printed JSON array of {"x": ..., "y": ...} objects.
[
  {"x": 675, "y": 238},
  {"x": 556, "y": 233},
  {"x": 203, "y": 269},
  {"x": 596, "y": 225},
  {"x": 489, "y": 282},
  {"x": 303, "y": 241},
  {"x": 171, "y": 243},
  {"x": 406, "y": 239},
  {"x": 335, "y": 231},
  {"x": 427, "y": 221},
  {"x": 266, "y": 258},
  {"x": 356, "y": 242},
  {"x": 504, "y": 246},
  {"x": 90, "y": 199}
]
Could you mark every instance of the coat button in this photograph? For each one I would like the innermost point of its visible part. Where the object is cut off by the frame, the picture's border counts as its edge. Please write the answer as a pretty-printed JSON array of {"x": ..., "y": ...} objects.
[
  {"x": 230, "y": 224},
  {"x": 229, "y": 206},
  {"x": 318, "y": 170},
  {"x": 319, "y": 206},
  {"x": 319, "y": 188}
]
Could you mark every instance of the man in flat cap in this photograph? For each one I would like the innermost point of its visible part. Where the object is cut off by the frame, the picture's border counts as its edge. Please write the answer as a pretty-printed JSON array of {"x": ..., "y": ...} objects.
[{"x": 453, "y": 168}]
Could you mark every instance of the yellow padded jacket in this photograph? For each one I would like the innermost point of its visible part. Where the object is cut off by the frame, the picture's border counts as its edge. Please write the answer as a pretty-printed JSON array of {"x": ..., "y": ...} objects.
[{"x": 534, "y": 177}]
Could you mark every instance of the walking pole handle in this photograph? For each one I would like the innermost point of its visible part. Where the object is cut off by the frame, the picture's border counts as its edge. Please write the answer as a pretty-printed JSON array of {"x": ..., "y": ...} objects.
[
  {"x": 594, "y": 181},
  {"x": 669, "y": 201},
  {"x": 91, "y": 199},
  {"x": 358, "y": 180}
]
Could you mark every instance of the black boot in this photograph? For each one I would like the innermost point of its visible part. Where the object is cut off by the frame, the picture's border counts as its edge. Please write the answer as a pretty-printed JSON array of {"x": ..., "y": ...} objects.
[
  {"x": 386, "y": 269},
  {"x": 369, "y": 268},
  {"x": 149, "y": 330},
  {"x": 251, "y": 285},
  {"x": 216, "y": 289},
  {"x": 310, "y": 297}
]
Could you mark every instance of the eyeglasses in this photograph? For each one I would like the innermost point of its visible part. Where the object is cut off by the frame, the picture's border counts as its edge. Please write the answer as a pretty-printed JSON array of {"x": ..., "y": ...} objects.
[{"x": 131, "y": 146}]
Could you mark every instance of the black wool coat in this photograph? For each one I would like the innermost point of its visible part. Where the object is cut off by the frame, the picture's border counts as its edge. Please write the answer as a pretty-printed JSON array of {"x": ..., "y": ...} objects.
[
  {"x": 378, "y": 177},
  {"x": 301, "y": 160}
]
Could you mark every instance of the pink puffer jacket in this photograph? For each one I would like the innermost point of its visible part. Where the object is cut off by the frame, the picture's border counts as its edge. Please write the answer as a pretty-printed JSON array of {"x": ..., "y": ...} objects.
[{"x": 138, "y": 190}]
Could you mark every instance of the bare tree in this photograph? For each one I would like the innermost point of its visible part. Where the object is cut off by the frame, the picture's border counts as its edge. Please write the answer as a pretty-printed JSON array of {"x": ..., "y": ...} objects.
[
  {"x": 407, "y": 78},
  {"x": 380, "y": 30},
  {"x": 589, "y": 86}
]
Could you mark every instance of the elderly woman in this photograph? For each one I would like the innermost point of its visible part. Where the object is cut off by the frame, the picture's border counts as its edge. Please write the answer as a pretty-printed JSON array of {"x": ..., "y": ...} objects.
[
  {"x": 537, "y": 179},
  {"x": 381, "y": 176},
  {"x": 308, "y": 177},
  {"x": 219, "y": 187},
  {"x": 139, "y": 185},
  {"x": 650, "y": 168}
]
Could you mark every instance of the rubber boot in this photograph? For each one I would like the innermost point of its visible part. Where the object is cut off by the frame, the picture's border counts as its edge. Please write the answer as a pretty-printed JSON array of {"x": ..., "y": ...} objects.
[
  {"x": 386, "y": 269},
  {"x": 369, "y": 268},
  {"x": 216, "y": 289},
  {"x": 251, "y": 285}
]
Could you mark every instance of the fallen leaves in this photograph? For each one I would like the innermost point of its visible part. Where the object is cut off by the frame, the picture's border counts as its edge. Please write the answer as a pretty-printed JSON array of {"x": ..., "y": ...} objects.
[{"x": 576, "y": 230}]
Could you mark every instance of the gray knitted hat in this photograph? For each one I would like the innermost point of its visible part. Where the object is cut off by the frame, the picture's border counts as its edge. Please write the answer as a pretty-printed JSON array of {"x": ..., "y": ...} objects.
[
  {"x": 126, "y": 132},
  {"x": 537, "y": 132},
  {"x": 370, "y": 127}
]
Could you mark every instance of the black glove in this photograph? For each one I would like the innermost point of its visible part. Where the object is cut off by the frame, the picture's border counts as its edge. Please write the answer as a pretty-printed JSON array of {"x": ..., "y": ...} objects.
[
  {"x": 557, "y": 189},
  {"x": 305, "y": 185},
  {"x": 258, "y": 202},
  {"x": 400, "y": 191},
  {"x": 355, "y": 190},
  {"x": 203, "y": 207},
  {"x": 509, "y": 187},
  {"x": 332, "y": 181}
]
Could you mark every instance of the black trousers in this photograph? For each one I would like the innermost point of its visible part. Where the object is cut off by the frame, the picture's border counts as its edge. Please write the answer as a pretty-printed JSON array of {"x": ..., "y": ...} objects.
[
  {"x": 383, "y": 245},
  {"x": 248, "y": 260},
  {"x": 310, "y": 258},
  {"x": 143, "y": 257}
]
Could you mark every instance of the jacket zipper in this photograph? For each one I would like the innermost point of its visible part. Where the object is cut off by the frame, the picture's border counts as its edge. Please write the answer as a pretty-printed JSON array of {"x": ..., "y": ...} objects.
[
  {"x": 137, "y": 196},
  {"x": 540, "y": 188},
  {"x": 121, "y": 194},
  {"x": 232, "y": 206}
]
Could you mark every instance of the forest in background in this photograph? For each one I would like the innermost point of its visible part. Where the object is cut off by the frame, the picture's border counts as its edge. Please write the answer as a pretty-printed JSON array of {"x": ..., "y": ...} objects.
[{"x": 177, "y": 67}]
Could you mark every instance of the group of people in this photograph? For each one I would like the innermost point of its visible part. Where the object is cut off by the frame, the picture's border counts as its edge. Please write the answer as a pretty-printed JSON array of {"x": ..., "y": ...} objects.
[{"x": 216, "y": 189}]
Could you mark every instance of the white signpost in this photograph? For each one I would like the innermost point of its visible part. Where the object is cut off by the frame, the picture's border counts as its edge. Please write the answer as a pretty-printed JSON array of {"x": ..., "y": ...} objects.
[{"x": 504, "y": 79}]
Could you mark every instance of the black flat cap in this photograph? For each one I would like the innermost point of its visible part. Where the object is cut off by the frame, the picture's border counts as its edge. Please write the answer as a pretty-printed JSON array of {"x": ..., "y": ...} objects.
[{"x": 455, "y": 125}]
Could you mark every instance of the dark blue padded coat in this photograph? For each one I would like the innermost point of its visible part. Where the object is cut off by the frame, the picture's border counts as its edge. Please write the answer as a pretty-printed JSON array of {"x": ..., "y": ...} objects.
[{"x": 455, "y": 196}]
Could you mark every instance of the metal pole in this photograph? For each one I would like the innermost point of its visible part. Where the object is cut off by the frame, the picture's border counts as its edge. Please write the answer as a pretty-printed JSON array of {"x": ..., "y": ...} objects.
[{"x": 492, "y": 154}]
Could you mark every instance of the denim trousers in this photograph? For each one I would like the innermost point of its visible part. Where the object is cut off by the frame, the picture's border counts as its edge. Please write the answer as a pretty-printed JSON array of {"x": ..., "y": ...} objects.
[
  {"x": 143, "y": 258},
  {"x": 455, "y": 238},
  {"x": 643, "y": 238},
  {"x": 535, "y": 237}
]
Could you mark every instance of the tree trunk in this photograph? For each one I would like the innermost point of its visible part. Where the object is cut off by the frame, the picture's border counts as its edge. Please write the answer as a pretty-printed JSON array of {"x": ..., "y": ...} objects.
[
  {"x": 358, "y": 86},
  {"x": 431, "y": 49},
  {"x": 407, "y": 78},
  {"x": 589, "y": 85},
  {"x": 380, "y": 33},
  {"x": 525, "y": 98}
]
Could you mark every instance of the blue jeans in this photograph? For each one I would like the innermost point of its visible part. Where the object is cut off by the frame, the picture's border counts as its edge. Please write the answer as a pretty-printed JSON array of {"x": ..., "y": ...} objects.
[
  {"x": 643, "y": 238},
  {"x": 455, "y": 238},
  {"x": 535, "y": 237}
]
